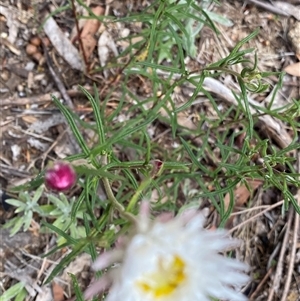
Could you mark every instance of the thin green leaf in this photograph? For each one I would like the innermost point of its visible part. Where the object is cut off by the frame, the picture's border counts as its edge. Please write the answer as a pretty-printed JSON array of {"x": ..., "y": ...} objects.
[
  {"x": 72, "y": 125},
  {"x": 77, "y": 290},
  {"x": 97, "y": 113},
  {"x": 218, "y": 18},
  {"x": 17, "y": 226},
  {"x": 21, "y": 295},
  {"x": 91, "y": 246},
  {"x": 60, "y": 232},
  {"x": 12, "y": 291},
  {"x": 15, "y": 203},
  {"x": 160, "y": 67},
  {"x": 38, "y": 193}
]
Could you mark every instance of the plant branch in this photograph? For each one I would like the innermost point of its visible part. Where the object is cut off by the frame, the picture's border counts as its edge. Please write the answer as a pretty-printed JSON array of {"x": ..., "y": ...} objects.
[
  {"x": 127, "y": 215},
  {"x": 78, "y": 35}
]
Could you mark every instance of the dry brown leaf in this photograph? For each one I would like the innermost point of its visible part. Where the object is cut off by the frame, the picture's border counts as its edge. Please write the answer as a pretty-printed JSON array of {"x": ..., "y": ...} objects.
[
  {"x": 241, "y": 193},
  {"x": 293, "y": 69},
  {"x": 58, "y": 292},
  {"x": 182, "y": 119},
  {"x": 29, "y": 119},
  {"x": 90, "y": 28}
]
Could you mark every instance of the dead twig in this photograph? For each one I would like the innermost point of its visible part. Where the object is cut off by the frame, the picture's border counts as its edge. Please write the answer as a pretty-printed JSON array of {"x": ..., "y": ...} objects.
[
  {"x": 261, "y": 284},
  {"x": 278, "y": 273},
  {"x": 39, "y": 99},
  {"x": 278, "y": 7},
  {"x": 79, "y": 38},
  {"x": 256, "y": 216},
  {"x": 13, "y": 171},
  {"x": 294, "y": 244},
  {"x": 45, "y": 154},
  {"x": 274, "y": 128},
  {"x": 58, "y": 81},
  {"x": 12, "y": 271}
]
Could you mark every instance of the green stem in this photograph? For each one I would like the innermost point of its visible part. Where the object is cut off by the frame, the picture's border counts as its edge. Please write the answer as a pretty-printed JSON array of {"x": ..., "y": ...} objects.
[
  {"x": 223, "y": 69},
  {"x": 138, "y": 193},
  {"x": 127, "y": 215}
]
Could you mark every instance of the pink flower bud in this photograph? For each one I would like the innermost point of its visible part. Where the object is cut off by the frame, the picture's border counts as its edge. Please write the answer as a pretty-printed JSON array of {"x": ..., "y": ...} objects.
[
  {"x": 60, "y": 177},
  {"x": 157, "y": 167}
]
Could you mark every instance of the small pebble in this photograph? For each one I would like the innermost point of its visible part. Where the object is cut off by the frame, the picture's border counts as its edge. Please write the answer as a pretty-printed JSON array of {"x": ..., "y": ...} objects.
[
  {"x": 31, "y": 49},
  {"x": 30, "y": 66},
  {"x": 22, "y": 94},
  {"x": 20, "y": 88},
  {"x": 36, "y": 41}
]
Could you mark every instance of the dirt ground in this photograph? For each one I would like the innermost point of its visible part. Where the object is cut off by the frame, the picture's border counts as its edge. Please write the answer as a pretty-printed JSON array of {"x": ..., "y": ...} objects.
[{"x": 33, "y": 131}]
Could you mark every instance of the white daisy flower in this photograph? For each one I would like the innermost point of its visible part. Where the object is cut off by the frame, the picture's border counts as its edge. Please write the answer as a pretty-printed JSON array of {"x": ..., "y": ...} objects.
[{"x": 172, "y": 259}]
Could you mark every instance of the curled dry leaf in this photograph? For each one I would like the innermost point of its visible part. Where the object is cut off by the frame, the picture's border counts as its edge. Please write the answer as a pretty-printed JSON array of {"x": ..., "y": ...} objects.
[
  {"x": 63, "y": 45},
  {"x": 241, "y": 196},
  {"x": 242, "y": 193},
  {"x": 58, "y": 292},
  {"x": 293, "y": 69},
  {"x": 91, "y": 26}
]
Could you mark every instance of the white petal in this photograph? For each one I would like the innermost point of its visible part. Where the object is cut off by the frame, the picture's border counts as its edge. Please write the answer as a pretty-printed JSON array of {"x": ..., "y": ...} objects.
[{"x": 106, "y": 259}]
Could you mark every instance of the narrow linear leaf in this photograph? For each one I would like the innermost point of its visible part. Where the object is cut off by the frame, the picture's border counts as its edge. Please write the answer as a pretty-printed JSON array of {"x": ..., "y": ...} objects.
[
  {"x": 91, "y": 246},
  {"x": 190, "y": 152},
  {"x": 96, "y": 110},
  {"x": 161, "y": 67},
  {"x": 222, "y": 190},
  {"x": 77, "y": 290},
  {"x": 12, "y": 292},
  {"x": 72, "y": 124},
  {"x": 60, "y": 232}
]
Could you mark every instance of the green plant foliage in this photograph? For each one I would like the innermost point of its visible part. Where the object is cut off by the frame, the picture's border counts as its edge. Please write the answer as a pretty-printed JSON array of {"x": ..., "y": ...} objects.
[
  {"x": 14, "y": 291},
  {"x": 127, "y": 164},
  {"x": 26, "y": 205}
]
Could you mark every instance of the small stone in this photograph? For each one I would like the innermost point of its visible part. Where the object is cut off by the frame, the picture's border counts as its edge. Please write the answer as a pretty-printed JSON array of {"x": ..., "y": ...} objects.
[
  {"x": 31, "y": 49},
  {"x": 35, "y": 41},
  {"x": 30, "y": 66},
  {"x": 20, "y": 88}
]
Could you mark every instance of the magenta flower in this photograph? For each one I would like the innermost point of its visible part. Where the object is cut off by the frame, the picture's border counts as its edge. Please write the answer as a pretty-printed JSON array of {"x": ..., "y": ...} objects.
[{"x": 60, "y": 177}]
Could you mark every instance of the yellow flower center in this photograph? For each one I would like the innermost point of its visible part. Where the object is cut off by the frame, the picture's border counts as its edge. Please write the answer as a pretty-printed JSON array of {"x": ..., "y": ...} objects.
[{"x": 168, "y": 276}]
